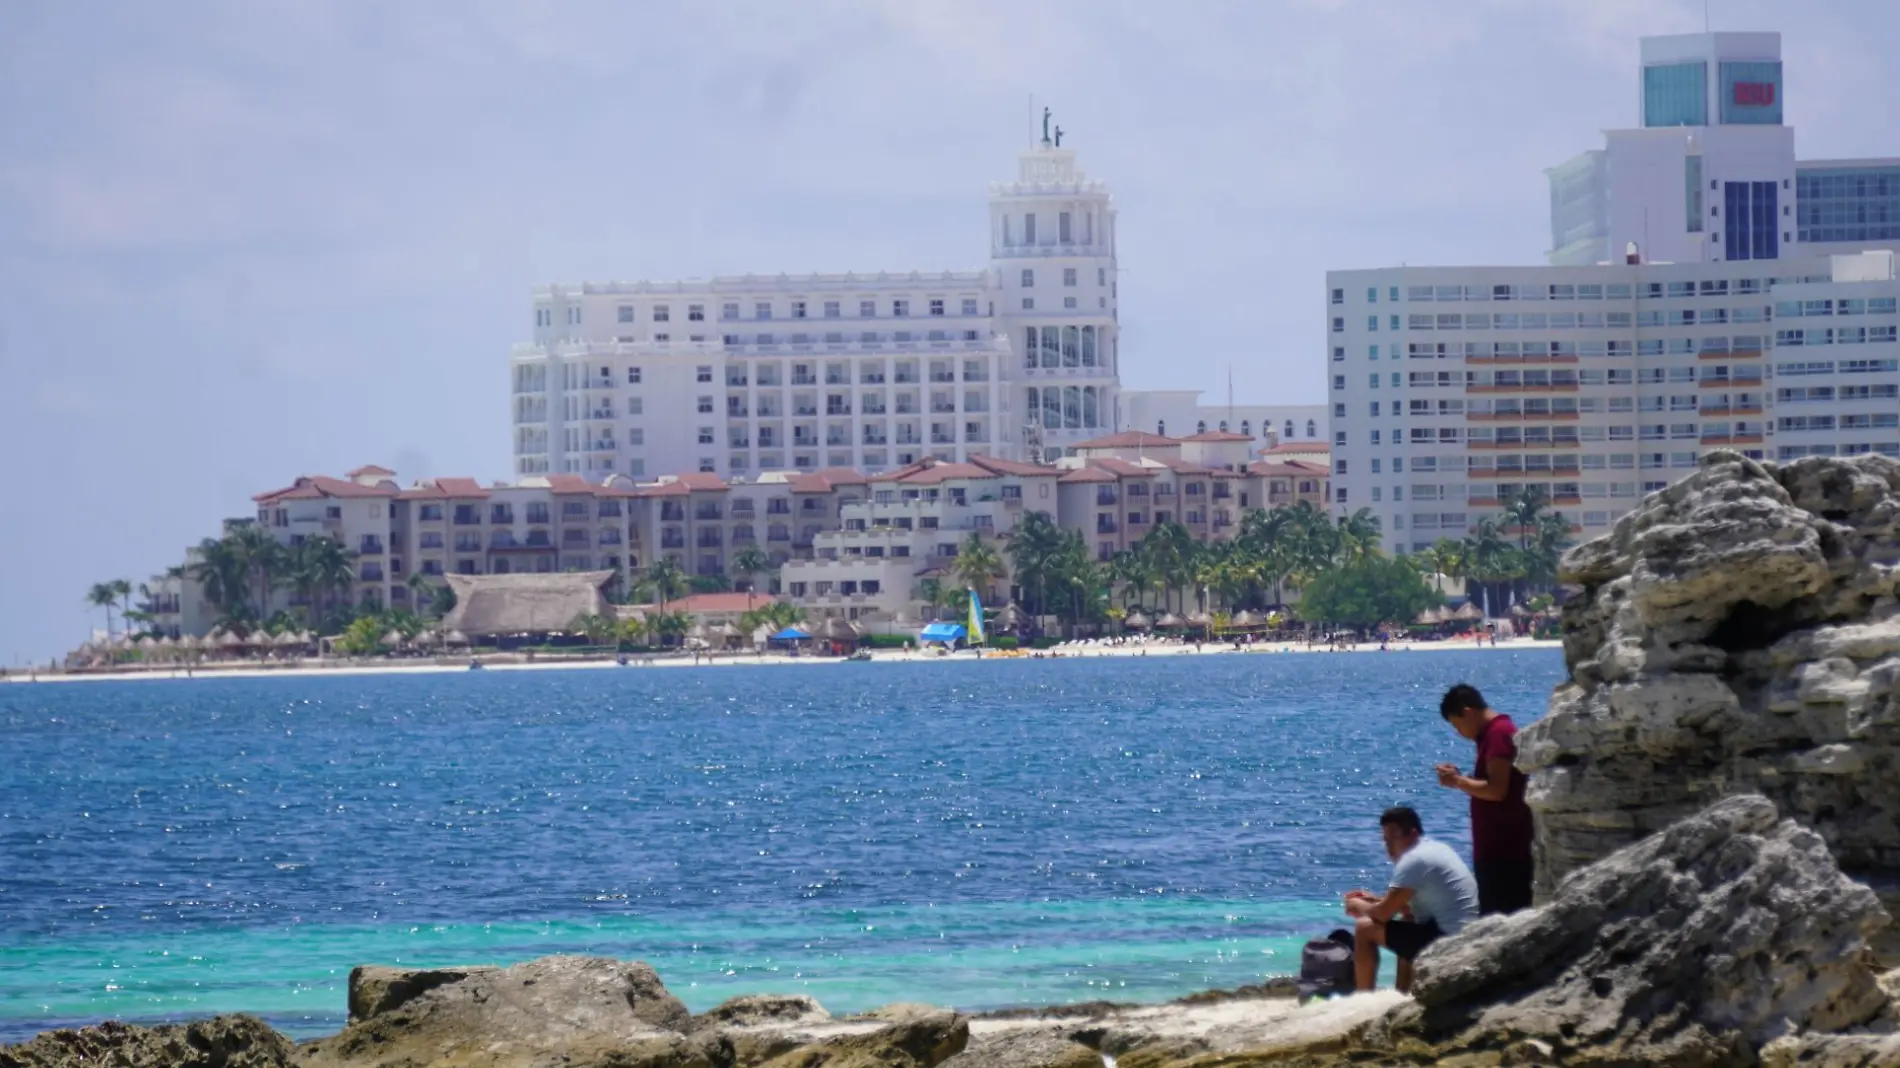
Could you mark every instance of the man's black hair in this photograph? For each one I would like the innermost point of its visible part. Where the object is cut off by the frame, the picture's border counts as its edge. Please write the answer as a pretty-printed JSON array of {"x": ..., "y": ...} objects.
[
  {"x": 1402, "y": 817},
  {"x": 1459, "y": 698}
]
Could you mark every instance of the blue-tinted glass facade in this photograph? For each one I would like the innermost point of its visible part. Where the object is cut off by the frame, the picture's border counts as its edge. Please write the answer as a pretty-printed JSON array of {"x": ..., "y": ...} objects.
[
  {"x": 1692, "y": 192},
  {"x": 1676, "y": 95},
  {"x": 1749, "y": 223},
  {"x": 1848, "y": 203},
  {"x": 1751, "y": 93}
]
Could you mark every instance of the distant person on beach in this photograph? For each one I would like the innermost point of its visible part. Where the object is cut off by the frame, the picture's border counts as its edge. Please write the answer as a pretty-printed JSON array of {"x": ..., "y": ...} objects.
[
  {"x": 1432, "y": 894},
  {"x": 1501, "y": 827}
]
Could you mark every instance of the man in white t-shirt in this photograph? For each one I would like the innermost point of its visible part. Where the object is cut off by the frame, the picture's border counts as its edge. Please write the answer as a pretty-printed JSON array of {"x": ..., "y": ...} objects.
[{"x": 1433, "y": 894}]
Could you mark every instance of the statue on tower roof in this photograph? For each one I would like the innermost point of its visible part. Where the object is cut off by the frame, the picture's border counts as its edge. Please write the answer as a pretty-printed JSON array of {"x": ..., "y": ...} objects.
[
  {"x": 1058, "y": 137},
  {"x": 1045, "y": 126}
]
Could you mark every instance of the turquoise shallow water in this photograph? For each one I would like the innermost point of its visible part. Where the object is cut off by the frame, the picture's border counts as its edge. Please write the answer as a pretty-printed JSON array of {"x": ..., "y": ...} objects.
[{"x": 976, "y": 834}]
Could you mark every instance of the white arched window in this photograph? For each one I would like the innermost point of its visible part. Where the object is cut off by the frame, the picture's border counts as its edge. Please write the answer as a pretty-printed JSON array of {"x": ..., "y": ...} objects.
[
  {"x": 1161, "y": 428},
  {"x": 1246, "y": 427},
  {"x": 1200, "y": 427},
  {"x": 1289, "y": 429},
  {"x": 1311, "y": 430}
]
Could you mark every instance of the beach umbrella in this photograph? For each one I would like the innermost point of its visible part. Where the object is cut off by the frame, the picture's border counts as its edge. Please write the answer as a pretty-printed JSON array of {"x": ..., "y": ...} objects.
[
  {"x": 761, "y": 634},
  {"x": 1244, "y": 618},
  {"x": 1137, "y": 621},
  {"x": 287, "y": 639},
  {"x": 456, "y": 637},
  {"x": 1198, "y": 619},
  {"x": 790, "y": 634},
  {"x": 699, "y": 631},
  {"x": 1169, "y": 620},
  {"x": 1468, "y": 612},
  {"x": 148, "y": 642},
  {"x": 726, "y": 630}
]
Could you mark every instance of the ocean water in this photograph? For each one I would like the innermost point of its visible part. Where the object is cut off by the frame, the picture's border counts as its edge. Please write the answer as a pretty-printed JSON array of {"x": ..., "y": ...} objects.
[{"x": 973, "y": 834}]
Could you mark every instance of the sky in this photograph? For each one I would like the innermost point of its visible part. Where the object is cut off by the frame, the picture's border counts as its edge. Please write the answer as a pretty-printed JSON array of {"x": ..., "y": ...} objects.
[{"x": 244, "y": 240}]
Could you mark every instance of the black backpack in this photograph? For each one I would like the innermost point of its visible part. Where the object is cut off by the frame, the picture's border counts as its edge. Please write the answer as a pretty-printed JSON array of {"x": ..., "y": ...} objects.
[{"x": 1326, "y": 966}]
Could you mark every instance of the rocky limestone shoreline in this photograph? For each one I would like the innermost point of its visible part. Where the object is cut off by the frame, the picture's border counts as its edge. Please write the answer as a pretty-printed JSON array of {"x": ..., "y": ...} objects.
[{"x": 1717, "y": 802}]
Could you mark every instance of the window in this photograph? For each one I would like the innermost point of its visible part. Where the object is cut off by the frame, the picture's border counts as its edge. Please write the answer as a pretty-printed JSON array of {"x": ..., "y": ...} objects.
[
  {"x": 696, "y": 313},
  {"x": 662, "y": 313},
  {"x": 1029, "y": 228},
  {"x": 1339, "y": 354},
  {"x": 1029, "y": 278},
  {"x": 867, "y": 309},
  {"x": 1339, "y": 382},
  {"x": 1339, "y": 324},
  {"x": 936, "y": 306},
  {"x": 1372, "y": 323},
  {"x": 1029, "y": 303},
  {"x": 969, "y": 305},
  {"x": 1101, "y": 276},
  {"x": 624, "y": 313},
  {"x": 1339, "y": 296},
  {"x": 703, "y": 373},
  {"x": 706, "y": 405},
  {"x": 900, "y": 308},
  {"x": 636, "y": 436},
  {"x": 705, "y": 435},
  {"x": 1068, "y": 276},
  {"x": 633, "y": 375},
  {"x": 762, "y": 310},
  {"x": 1339, "y": 438}
]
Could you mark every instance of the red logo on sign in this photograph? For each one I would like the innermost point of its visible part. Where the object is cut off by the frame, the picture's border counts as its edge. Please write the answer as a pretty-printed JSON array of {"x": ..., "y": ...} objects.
[{"x": 1755, "y": 94}]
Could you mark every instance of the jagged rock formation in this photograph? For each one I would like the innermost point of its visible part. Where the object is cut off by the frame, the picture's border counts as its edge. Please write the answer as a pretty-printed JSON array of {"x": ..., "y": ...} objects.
[
  {"x": 1697, "y": 945},
  {"x": 1738, "y": 632},
  {"x": 220, "y": 1042}
]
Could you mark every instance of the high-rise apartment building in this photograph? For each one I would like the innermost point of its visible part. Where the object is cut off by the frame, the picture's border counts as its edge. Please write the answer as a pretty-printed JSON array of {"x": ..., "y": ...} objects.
[{"x": 1696, "y": 299}]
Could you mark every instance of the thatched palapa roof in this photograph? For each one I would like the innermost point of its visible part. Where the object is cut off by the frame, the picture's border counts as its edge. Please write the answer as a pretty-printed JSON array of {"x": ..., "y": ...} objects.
[{"x": 487, "y": 605}]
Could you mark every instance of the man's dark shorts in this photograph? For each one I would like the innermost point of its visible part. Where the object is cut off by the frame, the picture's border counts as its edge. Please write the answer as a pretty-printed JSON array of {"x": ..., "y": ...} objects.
[
  {"x": 1406, "y": 938},
  {"x": 1503, "y": 885}
]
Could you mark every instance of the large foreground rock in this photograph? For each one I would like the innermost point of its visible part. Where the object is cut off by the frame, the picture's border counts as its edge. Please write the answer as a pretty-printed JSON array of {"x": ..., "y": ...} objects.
[
  {"x": 1738, "y": 632},
  {"x": 1697, "y": 945},
  {"x": 548, "y": 1011},
  {"x": 220, "y": 1042}
]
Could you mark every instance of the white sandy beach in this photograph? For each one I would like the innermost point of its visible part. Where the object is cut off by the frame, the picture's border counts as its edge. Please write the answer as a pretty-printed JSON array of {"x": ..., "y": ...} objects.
[{"x": 315, "y": 668}]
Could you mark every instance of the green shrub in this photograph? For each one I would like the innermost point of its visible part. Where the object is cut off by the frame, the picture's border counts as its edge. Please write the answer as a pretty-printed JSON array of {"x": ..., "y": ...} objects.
[
  {"x": 885, "y": 641},
  {"x": 1007, "y": 641},
  {"x": 1044, "y": 642}
]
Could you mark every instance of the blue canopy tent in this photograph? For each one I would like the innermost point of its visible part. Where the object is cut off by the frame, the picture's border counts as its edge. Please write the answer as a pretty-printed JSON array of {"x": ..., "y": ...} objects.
[
  {"x": 790, "y": 634},
  {"x": 943, "y": 632}
]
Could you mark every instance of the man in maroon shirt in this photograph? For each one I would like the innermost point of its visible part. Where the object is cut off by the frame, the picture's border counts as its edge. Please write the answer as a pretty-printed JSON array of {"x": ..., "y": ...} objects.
[{"x": 1500, "y": 820}]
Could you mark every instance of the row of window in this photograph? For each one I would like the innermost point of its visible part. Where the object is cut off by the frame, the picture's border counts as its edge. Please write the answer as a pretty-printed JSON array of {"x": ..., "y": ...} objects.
[
  {"x": 1069, "y": 277},
  {"x": 799, "y": 309},
  {"x": 1799, "y": 309},
  {"x": 1527, "y": 321},
  {"x": 1835, "y": 335},
  {"x": 865, "y": 337},
  {"x": 1707, "y": 287}
]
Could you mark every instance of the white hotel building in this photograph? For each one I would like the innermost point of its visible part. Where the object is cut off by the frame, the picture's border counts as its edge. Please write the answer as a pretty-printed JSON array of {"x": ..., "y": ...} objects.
[
  {"x": 1705, "y": 290},
  {"x": 873, "y": 371}
]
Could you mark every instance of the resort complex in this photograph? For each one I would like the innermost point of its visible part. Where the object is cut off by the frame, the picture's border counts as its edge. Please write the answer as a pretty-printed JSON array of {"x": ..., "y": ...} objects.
[{"x": 1690, "y": 259}]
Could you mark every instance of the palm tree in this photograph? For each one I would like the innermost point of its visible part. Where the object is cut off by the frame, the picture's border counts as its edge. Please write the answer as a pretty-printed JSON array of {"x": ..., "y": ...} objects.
[
  {"x": 1452, "y": 561},
  {"x": 1489, "y": 557},
  {"x": 978, "y": 566},
  {"x": 598, "y": 628},
  {"x": 1522, "y": 511},
  {"x": 1358, "y": 537},
  {"x": 1032, "y": 551},
  {"x": 122, "y": 589},
  {"x": 1548, "y": 543},
  {"x": 421, "y": 591},
  {"x": 221, "y": 572},
  {"x": 102, "y": 595},
  {"x": 321, "y": 572},
  {"x": 748, "y": 562},
  {"x": 265, "y": 559},
  {"x": 667, "y": 580}
]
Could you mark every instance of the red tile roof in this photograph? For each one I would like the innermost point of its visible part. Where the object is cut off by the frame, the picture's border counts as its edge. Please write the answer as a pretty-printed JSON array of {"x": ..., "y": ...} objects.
[
  {"x": 1129, "y": 439},
  {"x": 1010, "y": 467},
  {"x": 1087, "y": 474},
  {"x": 1297, "y": 446},
  {"x": 1287, "y": 469},
  {"x": 826, "y": 480},
  {"x": 445, "y": 487},
  {"x": 716, "y": 602},
  {"x": 1122, "y": 468},
  {"x": 703, "y": 481},
  {"x": 664, "y": 489},
  {"x": 929, "y": 472},
  {"x": 312, "y": 487},
  {"x": 1216, "y": 435},
  {"x": 368, "y": 469},
  {"x": 570, "y": 484}
]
